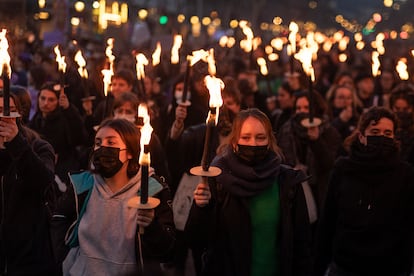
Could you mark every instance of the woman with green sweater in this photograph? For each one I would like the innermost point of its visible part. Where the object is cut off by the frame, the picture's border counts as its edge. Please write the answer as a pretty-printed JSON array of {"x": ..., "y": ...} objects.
[{"x": 253, "y": 217}]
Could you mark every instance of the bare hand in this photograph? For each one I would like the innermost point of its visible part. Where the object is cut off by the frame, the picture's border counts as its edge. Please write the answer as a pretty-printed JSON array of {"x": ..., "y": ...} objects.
[
  {"x": 63, "y": 101},
  {"x": 180, "y": 113},
  {"x": 346, "y": 114},
  {"x": 313, "y": 133},
  {"x": 202, "y": 195},
  {"x": 87, "y": 106},
  {"x": 8, "y": 129},
  {"x": 145, "y": 217}
]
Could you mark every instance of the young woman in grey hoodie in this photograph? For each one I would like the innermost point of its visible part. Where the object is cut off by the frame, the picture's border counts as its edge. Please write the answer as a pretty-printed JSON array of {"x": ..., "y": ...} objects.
[{"x": 102, "y": 230}]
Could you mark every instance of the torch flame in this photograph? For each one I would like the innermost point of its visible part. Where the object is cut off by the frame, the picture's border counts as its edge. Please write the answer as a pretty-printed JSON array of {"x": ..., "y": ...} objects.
[
  {"x": 108, "y": 53},
  {"x": 60, "y": 60},
  {"x": 156, "y": 55},
  {"x": 402, "y": 69},
  {"x": 343, "y": 43},
  {"x": 277, "y": 43},
  {"x": 141, "y": 61},
  {"x": 107, "y": 77},
  {"x": 223, "y": 41},
  {"x": 211, "y": 63},
  {"x": 4, "y": 54},
  {"x": 231, "y": 41},
  {"x": 293, "y": 28},
  {"x": 214, "y": 85},
  {"x": 197, "y": 56},
  {"x": 379, "y": 43},
  {"x": 246, "y": 44},
  {"x": 375, "y": 64},
  {"x": 80, "y": 60},
  {"x": 146, "y": 131},
  {"x": 263, "y": 68},
  {"x": 175, "y": 56},
  {"x": 305, "y": 57}
]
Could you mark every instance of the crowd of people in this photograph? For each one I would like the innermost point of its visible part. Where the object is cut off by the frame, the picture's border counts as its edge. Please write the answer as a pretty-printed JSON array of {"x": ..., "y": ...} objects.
[{"x": 313, "y": 181}]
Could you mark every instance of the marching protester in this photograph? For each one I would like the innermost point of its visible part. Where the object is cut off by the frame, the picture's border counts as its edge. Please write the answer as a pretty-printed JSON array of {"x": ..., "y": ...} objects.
[
  {"x": 101, "y": 236},
  {"x": 27, "y": 173},
  {"x": 314, "y": 149},
  {"x": 369, "y": 206},
  {"x": 60, "y": 123},
  {"x": 253, "y": 217},
  {"x": 126, "y": 107},
  {"x": 190, "y": 141}
]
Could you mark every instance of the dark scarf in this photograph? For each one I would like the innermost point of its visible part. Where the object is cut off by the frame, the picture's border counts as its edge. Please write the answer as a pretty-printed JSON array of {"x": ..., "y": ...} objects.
[
  {"x": 371, "y": 159},
  {"x": 240, "y": 179}
]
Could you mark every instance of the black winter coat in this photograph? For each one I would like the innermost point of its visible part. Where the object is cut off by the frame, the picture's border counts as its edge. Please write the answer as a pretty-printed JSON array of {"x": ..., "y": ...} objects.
[
  {"x": 318, "y": 156},
  {"x": 367, "y": 227},
  {"x": 27, "y": 174},
  {"x": 64, "y": 130},
  {"x": 223, "y": 228},
  {"x": 186, "y": 152}
]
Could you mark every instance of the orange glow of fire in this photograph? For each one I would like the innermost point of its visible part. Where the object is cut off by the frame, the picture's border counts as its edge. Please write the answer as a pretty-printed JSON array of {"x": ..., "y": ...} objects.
[
  {"x": 402, "y": 69},
  {"x": 146, "y": 131},
  {"x": 80, "y": 60},
  {"x": 375, "y": 63},
  {"x": 156, "y": 55},
  {"x": 214, "y": 86},
  {"x": 60, "y": 60},
  {"x": 141, "y": 62},
  {"x": 4, "y": 54},
  {"x": 175, "y": 56}
]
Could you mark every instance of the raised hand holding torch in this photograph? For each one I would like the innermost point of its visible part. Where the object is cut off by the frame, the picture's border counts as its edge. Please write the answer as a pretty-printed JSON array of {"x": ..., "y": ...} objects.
[
  {"x": 142, "y": 201},
  {"x": 5, "y": 73},
  {"x": 215, "y": 85}
]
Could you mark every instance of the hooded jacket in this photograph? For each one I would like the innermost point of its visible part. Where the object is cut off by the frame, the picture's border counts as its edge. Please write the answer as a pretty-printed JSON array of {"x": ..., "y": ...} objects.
[{"x": 157, "y": 242}]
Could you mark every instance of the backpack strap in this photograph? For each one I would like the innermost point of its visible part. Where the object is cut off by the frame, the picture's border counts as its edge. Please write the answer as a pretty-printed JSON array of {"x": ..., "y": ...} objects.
[
  {"x": 310, "y": 202},
  {"x": 309, "y": 198}
]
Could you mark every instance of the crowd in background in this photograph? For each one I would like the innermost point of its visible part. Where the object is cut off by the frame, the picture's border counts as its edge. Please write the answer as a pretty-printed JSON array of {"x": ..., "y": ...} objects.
[{"x": 69, "y": 119}]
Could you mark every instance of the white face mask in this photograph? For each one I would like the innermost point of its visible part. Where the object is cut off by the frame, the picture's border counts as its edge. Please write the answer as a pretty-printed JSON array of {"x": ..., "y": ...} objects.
[{"x": 128, "y": 117}]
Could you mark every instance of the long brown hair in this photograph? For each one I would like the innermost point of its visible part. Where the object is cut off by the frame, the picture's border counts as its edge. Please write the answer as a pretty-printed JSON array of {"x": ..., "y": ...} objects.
[{"x": 262, "y": 118}]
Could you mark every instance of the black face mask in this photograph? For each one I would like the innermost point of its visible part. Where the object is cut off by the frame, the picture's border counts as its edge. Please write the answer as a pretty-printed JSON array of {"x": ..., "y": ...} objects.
[
  {"x": 106, "y": 161},
  {"x": 252, "y": 154},
  {"x": 382, "y": 146}
]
